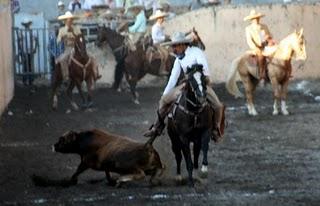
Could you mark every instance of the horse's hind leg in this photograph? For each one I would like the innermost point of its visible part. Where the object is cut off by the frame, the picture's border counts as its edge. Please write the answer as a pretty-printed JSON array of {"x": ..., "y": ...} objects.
[
  {"x": 284, "y": 92},
  {"x": 70, "y": 96},
  {"x": 249, "y": 88},
  {"x": 276, "y": 95}
]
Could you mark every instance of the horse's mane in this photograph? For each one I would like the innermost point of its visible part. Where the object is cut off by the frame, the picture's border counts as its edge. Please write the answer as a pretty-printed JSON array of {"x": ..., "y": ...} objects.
[{"x": 286, "y": 40}]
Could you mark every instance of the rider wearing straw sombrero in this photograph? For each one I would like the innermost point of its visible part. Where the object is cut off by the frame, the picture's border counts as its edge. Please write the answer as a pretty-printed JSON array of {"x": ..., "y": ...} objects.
[
  {"x": 258, "y": 37},
  {"x": 67, "y": 35},
  {"x": 187, "y": 56},
  {"x": 158, "y": 37}
]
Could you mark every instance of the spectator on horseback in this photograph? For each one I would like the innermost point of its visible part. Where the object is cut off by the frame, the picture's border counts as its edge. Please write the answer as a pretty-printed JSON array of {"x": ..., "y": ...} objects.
[
  {"x": 258, "y": 37},
  {"x": 67, "y": 36},
  {"x": 186, "y": 57},
  {"x": 158, "y": 37}
]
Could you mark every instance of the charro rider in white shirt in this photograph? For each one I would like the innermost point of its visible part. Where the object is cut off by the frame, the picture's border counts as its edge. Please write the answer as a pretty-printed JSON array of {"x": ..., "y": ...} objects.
[{"x": 186, "y": 57}]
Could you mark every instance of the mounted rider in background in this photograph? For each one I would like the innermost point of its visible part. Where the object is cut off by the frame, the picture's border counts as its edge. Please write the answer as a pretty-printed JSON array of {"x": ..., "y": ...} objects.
[
  {"x": 67, "y": 35},
  {"x": 258, "y": 38},
  {"x": 158, "y": 37}
]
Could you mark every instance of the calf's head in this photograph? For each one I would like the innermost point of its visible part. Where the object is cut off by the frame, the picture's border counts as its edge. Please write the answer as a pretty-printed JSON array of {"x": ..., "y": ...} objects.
[{"x": 67, "y": 143}]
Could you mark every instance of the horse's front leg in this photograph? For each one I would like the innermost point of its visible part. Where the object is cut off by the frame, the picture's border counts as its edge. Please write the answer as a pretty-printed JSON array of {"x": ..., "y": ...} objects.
[
  {"x": 79, "y": 87},
  {"x": 70, "y": 96},
  {"x": 276, "y": 95},
  {"x": 89, "y": 84},
  {"x": 56, "y": 82},
  {"x": 189, "y": 165},
  {"x": 284, "y": 92},
  {"x": 249, "y": 88},
  {"x": 176, "y": 149},
  {"x": 133, "y": 85},
  {"x": 205, "y": 148}
]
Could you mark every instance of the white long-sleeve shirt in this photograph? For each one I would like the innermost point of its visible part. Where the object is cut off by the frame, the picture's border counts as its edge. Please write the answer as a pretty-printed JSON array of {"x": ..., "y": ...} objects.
[
  {"x": 193, "y": 55},
  {"x": 157, "y": 33}
]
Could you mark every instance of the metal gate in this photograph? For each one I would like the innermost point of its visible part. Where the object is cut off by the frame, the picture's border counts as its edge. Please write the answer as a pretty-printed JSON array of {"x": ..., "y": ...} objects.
[{"x": 30, "y": 54}]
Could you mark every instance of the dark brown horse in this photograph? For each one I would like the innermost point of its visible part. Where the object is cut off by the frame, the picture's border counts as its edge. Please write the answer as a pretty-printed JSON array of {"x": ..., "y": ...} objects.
[
  {"x": 134, "y": 65},
  {"x": 80, "y": 69},
  {"x": 191, "y": 120},
  {"x": 117, "y": 44}
]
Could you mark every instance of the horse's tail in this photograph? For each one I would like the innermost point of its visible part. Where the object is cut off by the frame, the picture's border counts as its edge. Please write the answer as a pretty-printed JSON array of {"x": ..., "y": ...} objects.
[{"x": 231, "y": 83}]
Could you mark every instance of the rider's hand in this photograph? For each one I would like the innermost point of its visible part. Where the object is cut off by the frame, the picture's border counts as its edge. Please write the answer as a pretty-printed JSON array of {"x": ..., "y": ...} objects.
[{"x": 70, "y": 29}]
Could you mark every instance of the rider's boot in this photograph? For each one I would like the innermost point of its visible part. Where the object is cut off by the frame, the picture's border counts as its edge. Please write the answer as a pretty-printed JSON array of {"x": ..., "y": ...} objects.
[
  {"x": 156, "y": 128},
  {"x": 218, "y": 129}
]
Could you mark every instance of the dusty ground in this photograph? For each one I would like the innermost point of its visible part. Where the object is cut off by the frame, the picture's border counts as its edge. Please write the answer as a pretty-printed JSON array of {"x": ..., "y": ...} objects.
[{"x": 264, "y": 160}]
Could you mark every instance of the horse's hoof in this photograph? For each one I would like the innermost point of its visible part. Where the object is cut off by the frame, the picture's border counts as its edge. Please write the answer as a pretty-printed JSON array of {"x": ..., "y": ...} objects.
[
  {"x": 191, "y": 183},
  {"x": 275, "y": 113},
  {"x": 75, "y": 106},
  {"x": 285, "y": 113},
  {"x": 178, "y": 178},
  {"x": 204, "y": 169},
  {"x": 90, "y": 104},
  {"x": 136, "y": 102}
]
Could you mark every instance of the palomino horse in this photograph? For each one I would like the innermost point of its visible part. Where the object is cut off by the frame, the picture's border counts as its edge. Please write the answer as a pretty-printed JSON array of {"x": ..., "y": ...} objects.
[
  {"x": 191, "y": 120},
  {"x": 279, "y": 72},
  {"x": 80, "y": 69}
]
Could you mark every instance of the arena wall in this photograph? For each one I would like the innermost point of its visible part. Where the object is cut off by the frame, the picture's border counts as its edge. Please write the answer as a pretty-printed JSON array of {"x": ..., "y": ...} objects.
[
  {"x": 222, "y": 30},
  {"x": 6, "y": 71}
]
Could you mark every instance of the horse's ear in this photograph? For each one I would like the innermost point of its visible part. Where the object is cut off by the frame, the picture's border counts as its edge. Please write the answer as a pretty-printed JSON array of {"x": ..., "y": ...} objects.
[{"x": 300, "y": 32}]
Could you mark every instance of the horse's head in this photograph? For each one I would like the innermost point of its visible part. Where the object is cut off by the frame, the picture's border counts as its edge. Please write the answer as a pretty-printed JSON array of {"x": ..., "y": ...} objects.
[
  {"x": 197, "y": 40},
  {"x": 80, "y": 46},
  {"x": 105, "y": 34},
  {"x": 298, "y": 45},
  {"x": 196, "y": 85},
  {"x": 101, "y": 35}
]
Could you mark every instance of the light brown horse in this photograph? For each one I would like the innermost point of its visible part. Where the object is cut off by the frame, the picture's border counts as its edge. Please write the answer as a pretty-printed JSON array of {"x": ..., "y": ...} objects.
[
  {"x": 279, "y": 72},
  {"x": 80, "y": 69}
]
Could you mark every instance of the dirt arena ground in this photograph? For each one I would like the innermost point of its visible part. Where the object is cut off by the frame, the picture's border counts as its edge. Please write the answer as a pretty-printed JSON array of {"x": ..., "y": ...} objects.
[{"x": 263, "y": 160}]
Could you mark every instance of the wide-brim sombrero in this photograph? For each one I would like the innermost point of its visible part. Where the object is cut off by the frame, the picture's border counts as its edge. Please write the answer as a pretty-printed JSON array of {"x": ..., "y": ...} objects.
[
  {"x": 67, "y": 15},
  {"x": 253, "y": 15},
  {"x": 158, "y": 14},
  {"x": 177, "y": 38}
]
